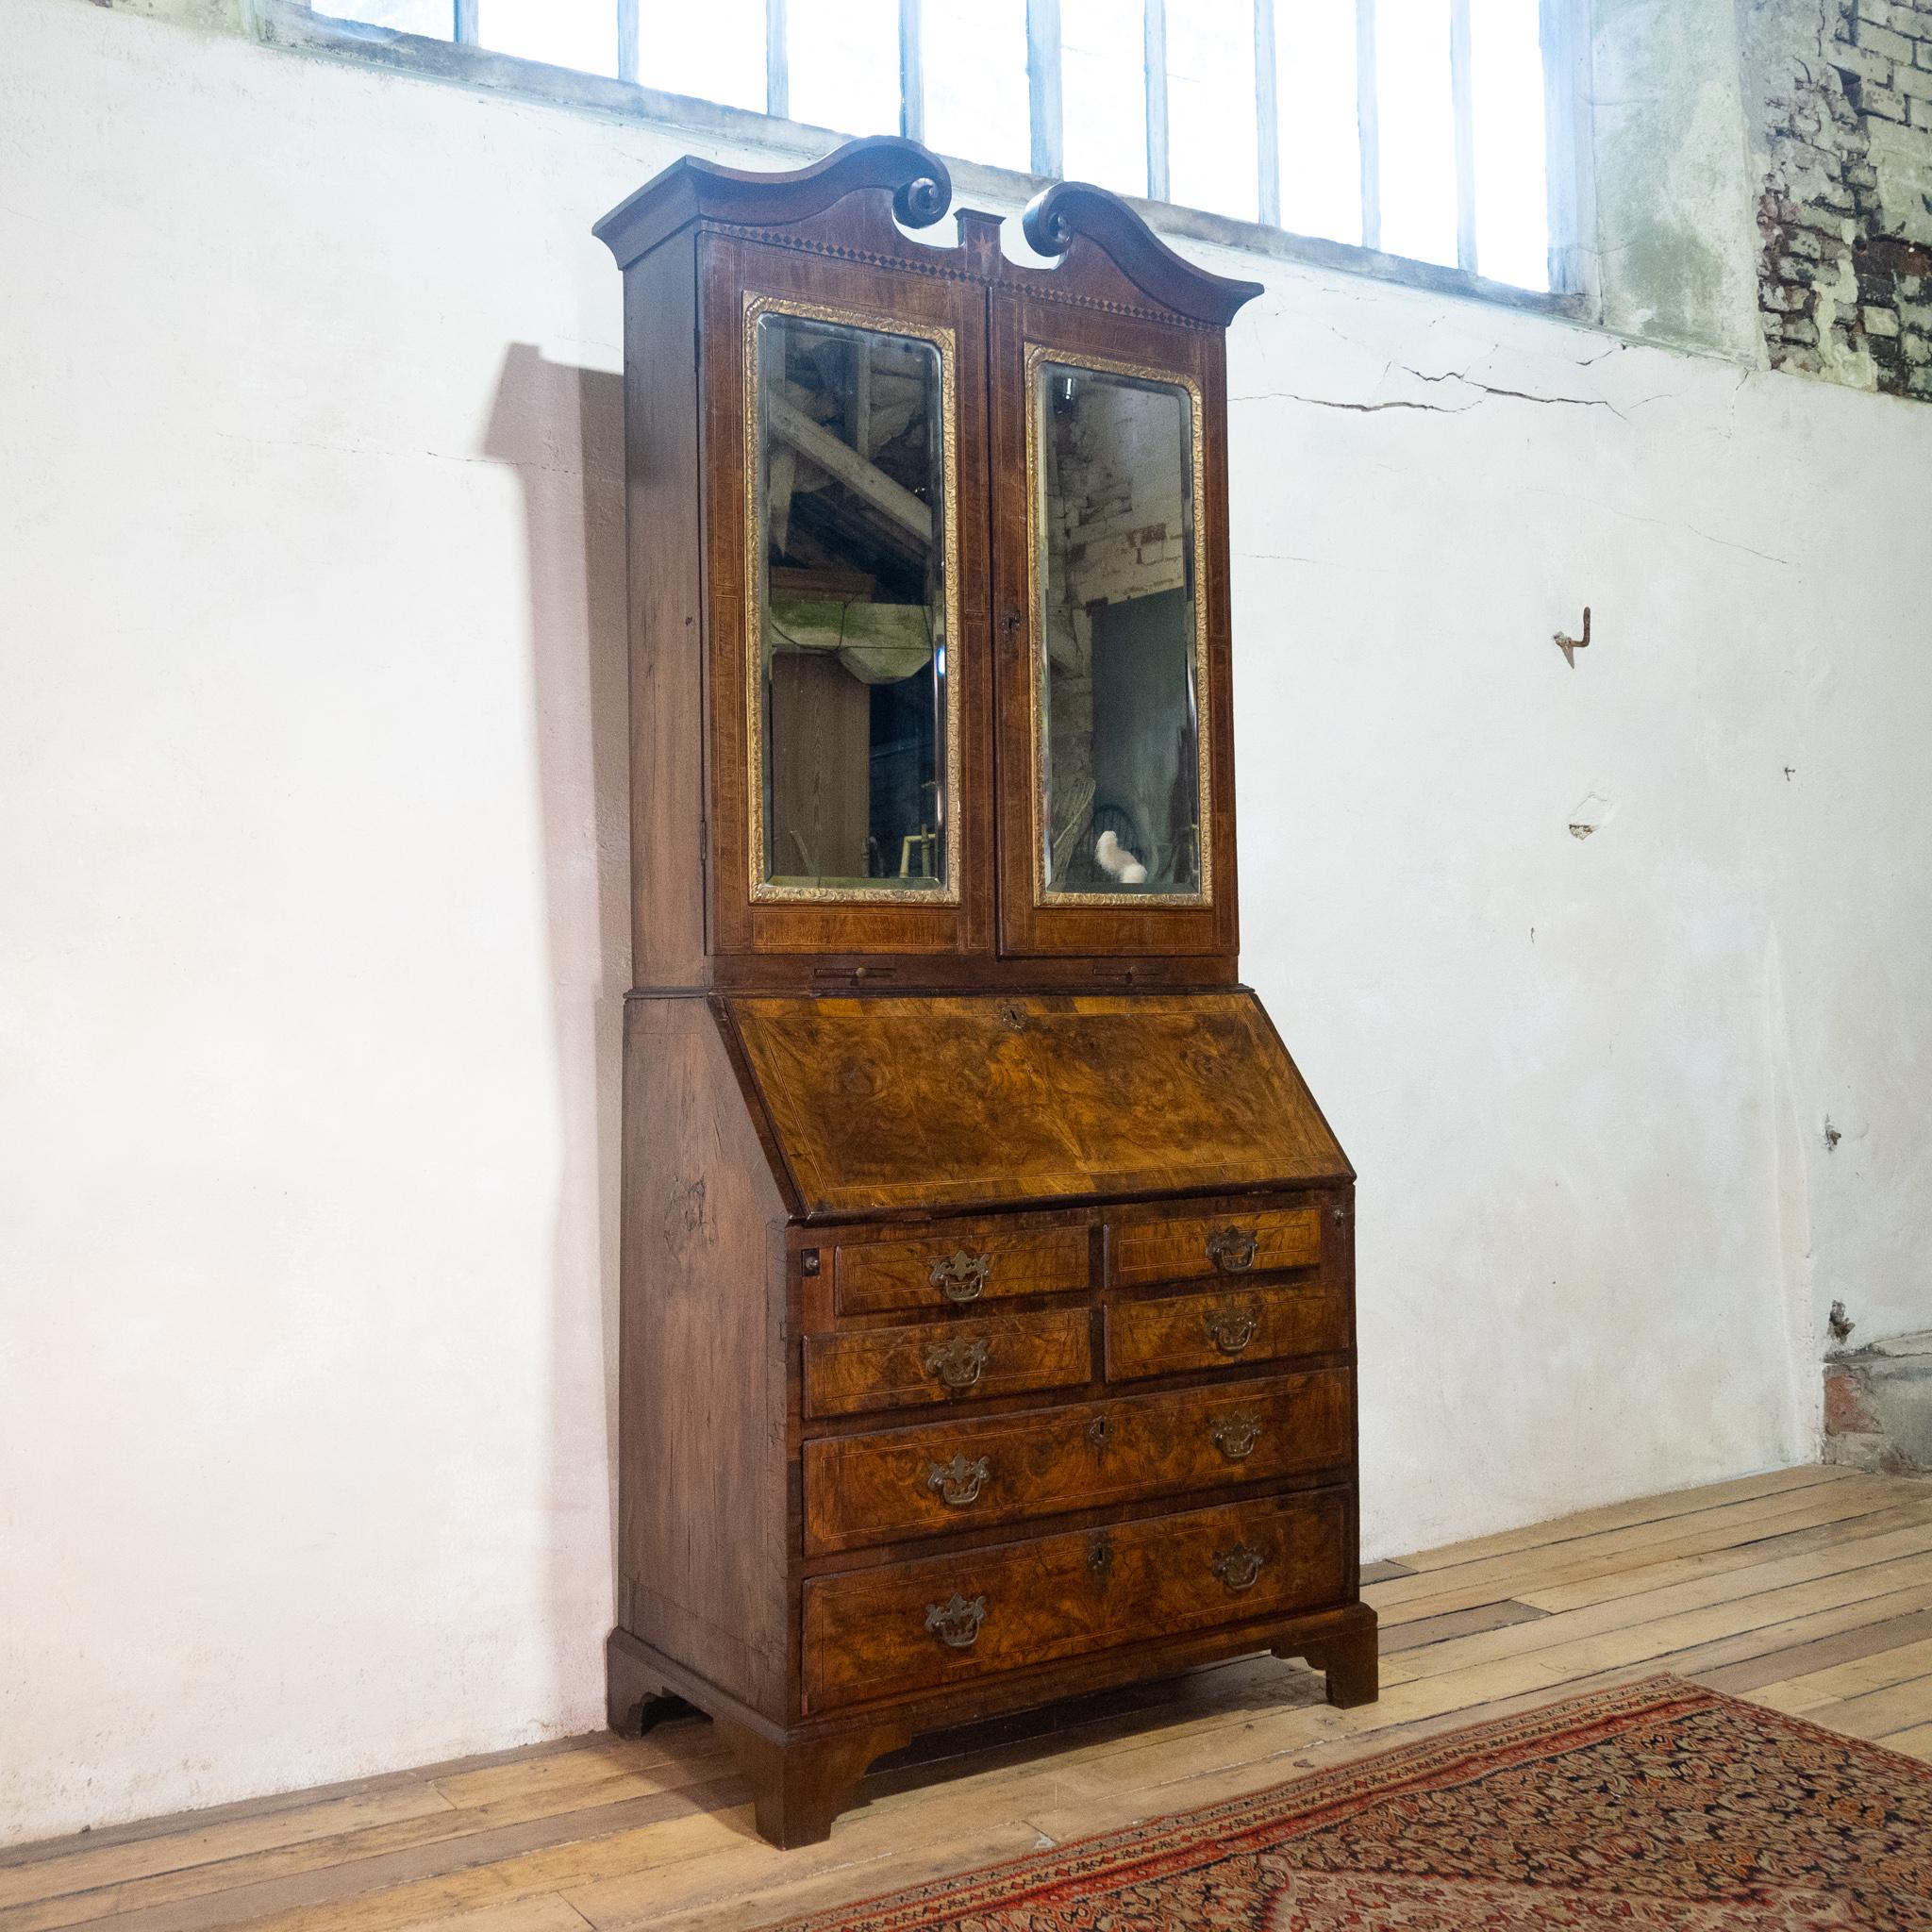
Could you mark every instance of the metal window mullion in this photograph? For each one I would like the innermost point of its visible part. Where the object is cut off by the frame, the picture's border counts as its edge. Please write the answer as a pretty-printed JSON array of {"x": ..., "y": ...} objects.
[
  {"x": 1566, "y": 147},
  {"x": 777, "y": 68},
  {"x": 1267, "y": 116},
  {"x": 912, "y": 69},
  {"x": 1156, "y": 24},
  {"x": 1043, "y": 95},
  {"x": 467, "y": 30},
  {"x": 1463, "y": 98},
  {"x": 1368, "y": 122},
  {"x": 628, "y": 40}
]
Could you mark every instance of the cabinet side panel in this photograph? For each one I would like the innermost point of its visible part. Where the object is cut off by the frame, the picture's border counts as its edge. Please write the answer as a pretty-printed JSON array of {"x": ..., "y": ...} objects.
[
  {"x": 667, "y": 786},
  {"x": 702, "y": 1540}
]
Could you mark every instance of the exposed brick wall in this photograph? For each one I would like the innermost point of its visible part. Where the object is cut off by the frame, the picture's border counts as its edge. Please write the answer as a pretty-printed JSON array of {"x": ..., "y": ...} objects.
[
  {"x": 1878, "y": 1406},
  {"x": 1845, "y": 217}
]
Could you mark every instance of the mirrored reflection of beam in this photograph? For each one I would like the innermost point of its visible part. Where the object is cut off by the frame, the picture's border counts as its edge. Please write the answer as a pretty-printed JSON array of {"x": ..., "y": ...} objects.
[{"x": 865, "y": 479}]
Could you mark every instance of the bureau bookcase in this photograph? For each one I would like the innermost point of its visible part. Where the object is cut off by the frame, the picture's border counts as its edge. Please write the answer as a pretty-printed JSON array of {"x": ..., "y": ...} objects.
[{"x": 988, "y": 1325}]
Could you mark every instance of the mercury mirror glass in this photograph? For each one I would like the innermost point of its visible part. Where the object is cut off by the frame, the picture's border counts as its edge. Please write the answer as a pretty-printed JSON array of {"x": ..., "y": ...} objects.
[
  {"x": 850, "y": 689},
  {"x": 1122, "y": 790}
]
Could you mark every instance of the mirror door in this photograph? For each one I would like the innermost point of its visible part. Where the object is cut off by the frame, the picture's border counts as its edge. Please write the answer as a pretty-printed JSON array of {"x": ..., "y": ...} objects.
[
  {"x": 850, "y": 727},
  {"x": 1116, "y": 823},
  {"x": 854, "y": 755}
]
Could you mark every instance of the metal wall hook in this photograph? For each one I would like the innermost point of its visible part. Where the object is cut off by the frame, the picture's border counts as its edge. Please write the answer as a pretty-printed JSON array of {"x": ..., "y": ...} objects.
[{"x": 1570, "y": 647}]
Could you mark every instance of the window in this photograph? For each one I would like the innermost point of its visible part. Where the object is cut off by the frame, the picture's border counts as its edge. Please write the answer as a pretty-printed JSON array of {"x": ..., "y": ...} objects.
[{"x": 1415, "y": 127}]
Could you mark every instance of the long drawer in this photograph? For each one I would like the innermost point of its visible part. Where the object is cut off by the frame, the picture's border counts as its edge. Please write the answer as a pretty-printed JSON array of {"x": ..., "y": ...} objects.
[
  {"x": 1174, "y": 1333},
  {"x": 926, "y": 1625},
  {"x": 946, "y": 1361},
  {"x": 959, "y": 1475},
  {"x": 1191, "y": 1247}
]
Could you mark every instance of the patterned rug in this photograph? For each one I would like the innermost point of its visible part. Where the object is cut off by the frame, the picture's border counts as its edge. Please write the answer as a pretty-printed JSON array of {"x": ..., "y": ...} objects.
[{"x": 1654, "y": 1807}]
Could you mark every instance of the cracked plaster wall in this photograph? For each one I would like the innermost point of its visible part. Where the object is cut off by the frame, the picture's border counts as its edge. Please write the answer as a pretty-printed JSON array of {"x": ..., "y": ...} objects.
[{"x": 311, "y": 616}]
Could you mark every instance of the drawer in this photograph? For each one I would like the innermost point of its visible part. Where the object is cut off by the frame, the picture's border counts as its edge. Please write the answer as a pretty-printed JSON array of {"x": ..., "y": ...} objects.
[
  {"x": 1250, "y": 1242},
  {"x": 1171, "y": 1333},
  {"x": 923, "y": 1626},
  {"x": 954, "y": 1269},
  {"x": 946, "y": 1361},
  {"x": 965, "y": 1474}
]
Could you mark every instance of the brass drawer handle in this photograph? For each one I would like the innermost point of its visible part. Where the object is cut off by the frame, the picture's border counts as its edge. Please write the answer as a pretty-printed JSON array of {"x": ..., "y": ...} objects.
[
  {"x": 1231, "y": 1329},
  {"x": 1234, "y": 1435},
  {"x": 956, "y": 1363},
  {"x": 1240, "y": 1566},
  {"x": 959, "y": 1482},
  {"x": 956, "y": 1623},
  {"x": 960, "y": 1277},
  {"x": 1232, "y": 1249}
]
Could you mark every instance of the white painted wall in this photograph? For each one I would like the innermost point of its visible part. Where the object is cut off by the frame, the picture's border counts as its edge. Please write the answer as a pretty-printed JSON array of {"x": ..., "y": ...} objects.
[{"x": 311, "y": 856}]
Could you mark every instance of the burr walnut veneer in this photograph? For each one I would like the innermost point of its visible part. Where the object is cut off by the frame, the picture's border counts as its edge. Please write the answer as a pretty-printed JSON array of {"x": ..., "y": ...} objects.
[{"x": 988, "y": 1306}]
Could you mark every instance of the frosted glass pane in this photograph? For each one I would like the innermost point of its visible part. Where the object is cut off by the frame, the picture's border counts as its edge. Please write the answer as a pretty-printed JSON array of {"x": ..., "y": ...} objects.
[
  {"x": 1320, "y": 144},
  {"x": 566, "y": 33},
  {"x": 1104, "y": 93},
  {"x": 1211, "y": 107},
  {"x": 715, "y": 53},
  {"x": 1416, "y": 117},
  {"x": 975, "y": 81},
  {"x": 845, "y": 59},
  {"x": 1513, "y": 223},
  {"x": 434, "y": 19}
]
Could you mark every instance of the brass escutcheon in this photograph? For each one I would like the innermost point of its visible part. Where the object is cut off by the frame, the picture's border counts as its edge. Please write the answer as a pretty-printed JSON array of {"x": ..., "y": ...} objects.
[
  {"x": 961, "y": 1277},
  {"x": 956, "y": 1623},
  {"x": 1239, "y": 1567},
  {"x": 1100, "y": 1558},
  {"x": 1232, "y": 1249},
  {"x": 956, "y": 1363},
  {"x": 1234, "y": 1435},
  {"x": 1099, "y": 1430},
  {"x": 959, "y": 1481},
  {"x": 1231, "y": 1329}
]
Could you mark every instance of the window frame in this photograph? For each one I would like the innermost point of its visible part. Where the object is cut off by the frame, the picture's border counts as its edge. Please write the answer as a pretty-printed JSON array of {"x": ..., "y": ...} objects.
[{"x": 1573, "y": 290}]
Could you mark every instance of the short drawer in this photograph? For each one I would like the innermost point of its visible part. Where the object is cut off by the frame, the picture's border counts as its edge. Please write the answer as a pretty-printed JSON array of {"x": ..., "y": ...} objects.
[
  {"x": 955, "y": 1269},
  {"x": 909, "y": 1627},
  {"x": 1186, "y": 1249},
  {"x": 965, "y": 1474},
  {"x": 1172, "y": 1333},
  {"x": 946, "y": 1361}
]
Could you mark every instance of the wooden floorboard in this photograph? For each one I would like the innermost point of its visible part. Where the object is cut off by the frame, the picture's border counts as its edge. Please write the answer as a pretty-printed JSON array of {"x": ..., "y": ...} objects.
[
  {"x": 1427, "y": 1630},
  {"x": 1807, "y": 1589}
]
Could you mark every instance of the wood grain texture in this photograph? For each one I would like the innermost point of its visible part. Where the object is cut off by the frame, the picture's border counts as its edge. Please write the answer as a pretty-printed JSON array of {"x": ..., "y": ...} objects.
[
  {"x": 909, "y": 179},
  {"x": 895, "y": 1103},
  {"x": 702, "y": 1312},
  {"x": 732, "y": 268},
  {"x": 966, "y": 1264},
  {"x": 667, "y": 792},
  {"x": 873, "y": 1633},
  {"x": 946, "y": 1361},
  {"x": 1029, "y": 310},
  {"x": 795, "y": 1155},
  {"x": 1224, "y": 1245},
  {"x": 963, "y": 1799},
  {"x": 1071, "y": 213},
  {"x": 1222, "y": 1327},
  {"x": 943, "y": 1477}
]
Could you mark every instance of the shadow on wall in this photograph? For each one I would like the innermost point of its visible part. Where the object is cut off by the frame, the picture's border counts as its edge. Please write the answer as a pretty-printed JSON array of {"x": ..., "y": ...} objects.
[{"x": 562, "y": 429}]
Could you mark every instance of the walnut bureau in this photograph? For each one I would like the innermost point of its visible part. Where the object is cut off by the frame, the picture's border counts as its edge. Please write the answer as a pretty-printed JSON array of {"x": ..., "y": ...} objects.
[{"x": 988, "y": 1325}]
